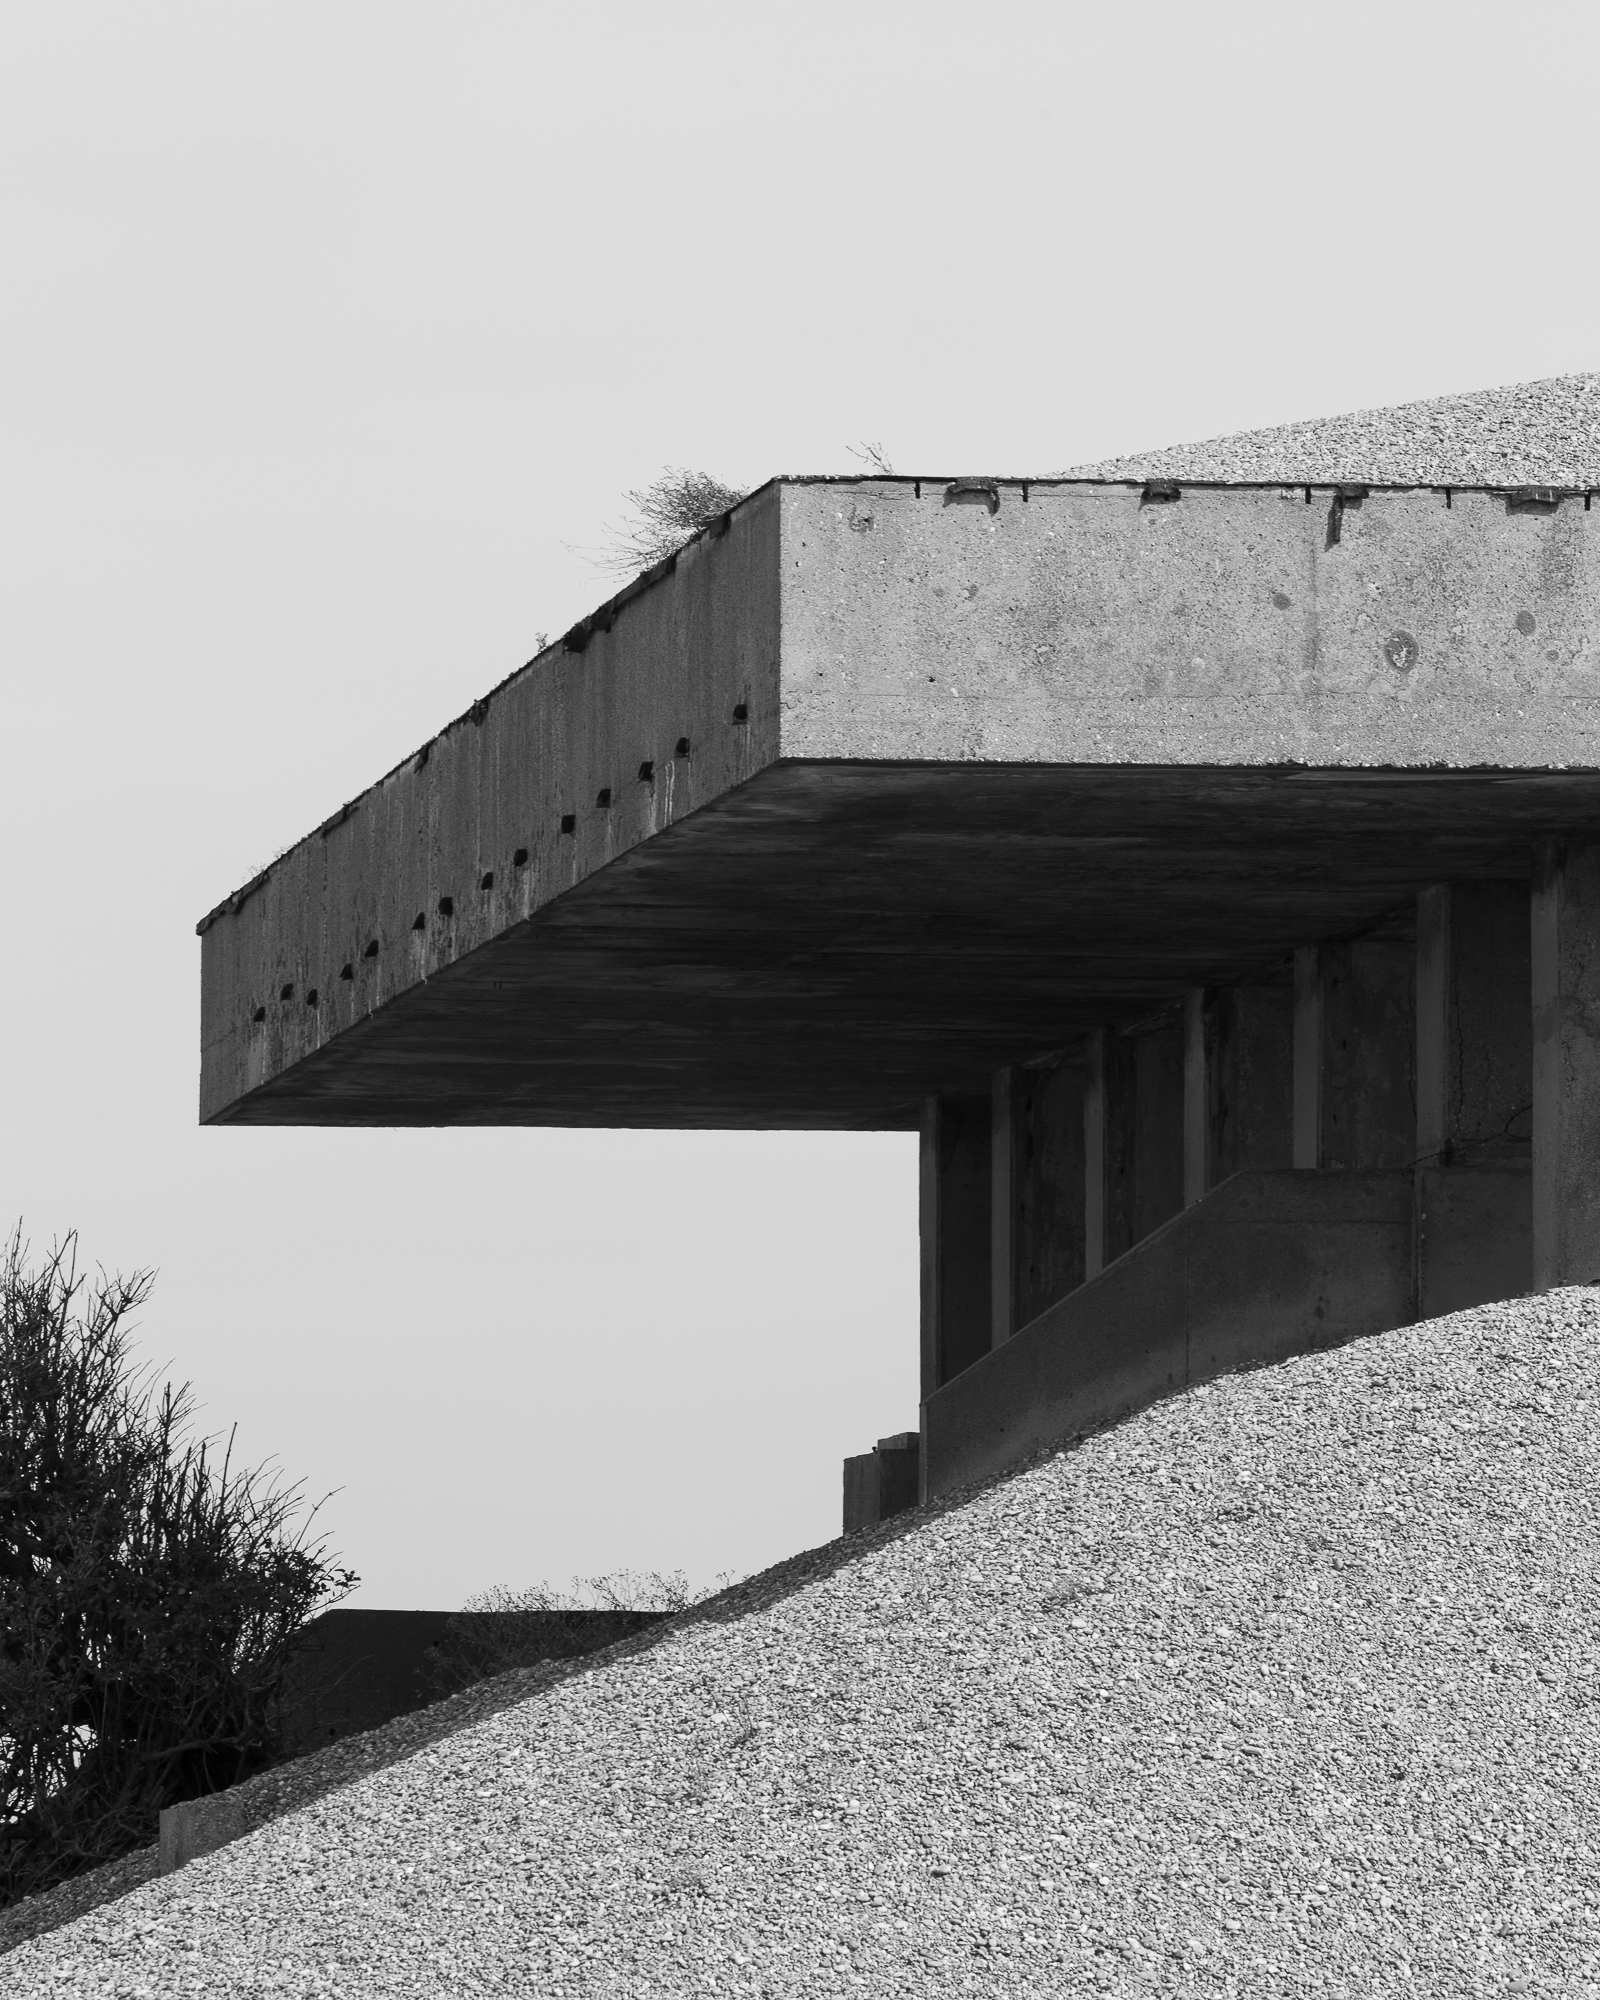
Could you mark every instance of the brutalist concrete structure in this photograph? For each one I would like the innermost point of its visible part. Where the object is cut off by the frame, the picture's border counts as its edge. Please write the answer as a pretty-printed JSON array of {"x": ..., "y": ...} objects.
[{"x": 1202, "y": 853}]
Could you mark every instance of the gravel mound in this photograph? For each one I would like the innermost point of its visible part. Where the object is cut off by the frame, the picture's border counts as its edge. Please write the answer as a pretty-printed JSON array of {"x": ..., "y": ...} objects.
[
  {"x": 1531, "y": 434},
  {"x": 1285, "y": 1686},
  {"x": 47, "y": 1911}
]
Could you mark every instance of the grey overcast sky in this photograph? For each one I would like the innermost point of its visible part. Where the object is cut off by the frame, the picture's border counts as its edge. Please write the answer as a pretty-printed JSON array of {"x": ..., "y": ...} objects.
[{"x": 331, "y": 333}]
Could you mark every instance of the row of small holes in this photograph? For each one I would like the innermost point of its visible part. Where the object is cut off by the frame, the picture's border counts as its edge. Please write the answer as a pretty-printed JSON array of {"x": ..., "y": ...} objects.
[{"x": 569, "y": 824}]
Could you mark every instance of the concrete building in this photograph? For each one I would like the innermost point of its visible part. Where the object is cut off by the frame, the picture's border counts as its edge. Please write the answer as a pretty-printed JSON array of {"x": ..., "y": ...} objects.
[{"x": 1201, "y": 851}]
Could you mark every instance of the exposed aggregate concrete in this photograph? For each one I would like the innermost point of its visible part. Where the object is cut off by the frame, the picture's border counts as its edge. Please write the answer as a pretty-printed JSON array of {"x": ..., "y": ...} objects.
[
  {"x": 1529, "y": 434},
  {"x": 1285, "y": 1686}
]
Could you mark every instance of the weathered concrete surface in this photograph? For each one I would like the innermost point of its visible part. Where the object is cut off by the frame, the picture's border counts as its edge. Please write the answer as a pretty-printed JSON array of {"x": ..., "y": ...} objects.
[
  {"x": 1083, "y": 625},
  {"x": 924, "y": 850},
  {"x": 882, "y": 1482},
  {"x": 1474, "y": 1236},
  {"x": 1049, "y": 1221},
  {"x": 1266, "y": 1266},
  {"x": 1566, "y": 1064},
  {"x": 1250, "y": 1078}
]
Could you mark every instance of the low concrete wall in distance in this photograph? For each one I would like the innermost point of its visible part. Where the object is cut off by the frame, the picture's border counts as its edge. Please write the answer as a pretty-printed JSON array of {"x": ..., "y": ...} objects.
[
  {"x": 882, "y": 1481},
  {"x": 1268, "y": 1265},
  {"x": 355, "y": 1670}
]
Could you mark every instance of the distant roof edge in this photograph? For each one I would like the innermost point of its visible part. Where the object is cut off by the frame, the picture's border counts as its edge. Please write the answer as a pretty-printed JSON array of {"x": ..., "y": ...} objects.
[{"x": 1528, "y": 434}]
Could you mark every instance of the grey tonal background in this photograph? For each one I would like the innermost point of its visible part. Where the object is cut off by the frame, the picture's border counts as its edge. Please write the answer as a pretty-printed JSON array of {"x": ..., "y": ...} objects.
[{"x": 332, "y": 337}]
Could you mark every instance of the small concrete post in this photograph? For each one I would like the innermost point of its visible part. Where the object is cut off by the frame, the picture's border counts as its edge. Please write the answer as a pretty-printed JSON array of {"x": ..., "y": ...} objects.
[
  {"x": 1308, "y": 1056},
  {"x": 1094, "y": 1155},
  {"x": 1196, "y": 1097},
  {"x": 1565, "y": 941},
  {"x": 1002, "y": 1207}
]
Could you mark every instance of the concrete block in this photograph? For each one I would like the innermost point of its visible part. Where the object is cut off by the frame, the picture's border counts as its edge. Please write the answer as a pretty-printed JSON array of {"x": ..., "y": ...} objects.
[
  {"x": 882, "y": 1482},
  {"x": 1266, "y": 1266},
  {"x": 201, "y": 1826},
  {"x": 861, "y": 1492}
]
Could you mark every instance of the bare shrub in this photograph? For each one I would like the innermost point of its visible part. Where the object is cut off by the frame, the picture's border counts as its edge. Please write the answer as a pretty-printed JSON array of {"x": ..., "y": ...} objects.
[
  {"x": 149, "y": 1593},
  {"x": 499, "y": 1629},
  {"x": 668, "y": 512}
]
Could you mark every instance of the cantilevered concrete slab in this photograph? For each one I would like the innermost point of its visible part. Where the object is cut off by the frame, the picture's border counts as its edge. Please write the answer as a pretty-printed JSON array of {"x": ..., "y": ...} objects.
[
  {"x": 883, "y": 784},
  {"x": 1201, "y": 851}
]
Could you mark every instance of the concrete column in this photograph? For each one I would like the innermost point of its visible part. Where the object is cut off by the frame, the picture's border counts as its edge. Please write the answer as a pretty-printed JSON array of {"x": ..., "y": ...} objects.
[
  {"x": 1368, "y": 1112},
  {"x": 1094, "y": 1155},
  {"x": 1002, "y": 1206},
  {"x": 1308, "y": 1057},
  {"x": 1156, "y": 1133},
  {"x": 1433, "y": 1021},
  {"x": 1250, "y": 1063},
  {"x": 928, "y": 1253},
  {"x": 1047, "y": 1187},
  {"x": 1196, "y": 1098},
  {"x": 953, "y": 1221},
  {"x": 1566, "y": 1063},
  {"x": 1474, "y": 1093}
]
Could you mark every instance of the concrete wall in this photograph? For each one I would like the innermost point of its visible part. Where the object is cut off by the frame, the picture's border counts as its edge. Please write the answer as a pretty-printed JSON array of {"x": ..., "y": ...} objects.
[
  {"x": 1076, "y": 623},
  {"x": 1395, "y": 1067},
  {"x": 1266, "y": 1266}
]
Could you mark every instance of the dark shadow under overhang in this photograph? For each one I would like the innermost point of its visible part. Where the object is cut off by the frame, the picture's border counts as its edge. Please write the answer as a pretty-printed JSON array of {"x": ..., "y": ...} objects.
[{"x": 828, "y": 943}]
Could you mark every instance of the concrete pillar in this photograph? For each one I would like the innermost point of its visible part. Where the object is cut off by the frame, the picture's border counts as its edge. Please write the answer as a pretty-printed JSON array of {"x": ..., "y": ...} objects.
[
  {"x": 1368, "y": 1111},
  {"x": 1250, "y": 1065},
  {"x": 1354, "y": 1053},
  {"x": 1048, "y": 1217},
  {"x": 1094, "y": 1154},
  {"x": 1474, "y": 1050},
  {"x": 1158, "y": 1125},
  {"x": 1566, "y": 1063},
  {"x": 954, "y": 1197},
  {"x": 1433, "y": 1022},
  {"x": 1002, "y": 1206},
  {"x": 1197, "y": 1092},
  {"x": 1474, "y": 1095},
  {"x": 1308, "y": 1057}
]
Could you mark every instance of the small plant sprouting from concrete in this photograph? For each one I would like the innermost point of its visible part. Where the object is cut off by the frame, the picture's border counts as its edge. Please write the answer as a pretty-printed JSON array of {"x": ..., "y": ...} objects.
[
  {"x": 873, "y": 457},
  {"x": 668, "y": 512}
]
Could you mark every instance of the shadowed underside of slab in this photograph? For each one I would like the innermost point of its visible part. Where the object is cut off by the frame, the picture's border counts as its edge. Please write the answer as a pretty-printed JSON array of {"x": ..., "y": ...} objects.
[
  {"x": 831, "y": 942},
  {"x": 890, "y": 783}
]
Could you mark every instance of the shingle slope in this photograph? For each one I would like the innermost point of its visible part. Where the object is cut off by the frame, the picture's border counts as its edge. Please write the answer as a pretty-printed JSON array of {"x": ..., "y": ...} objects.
[
  {"x": 1283, "y": 1689},
  {"x": 1528, "y": 434}
]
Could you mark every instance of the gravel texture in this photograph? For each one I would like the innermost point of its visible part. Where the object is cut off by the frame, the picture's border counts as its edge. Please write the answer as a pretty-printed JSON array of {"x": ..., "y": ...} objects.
[
  {"x": 1531, "y": 434},
  {"x": 1286, "y": 1686}
]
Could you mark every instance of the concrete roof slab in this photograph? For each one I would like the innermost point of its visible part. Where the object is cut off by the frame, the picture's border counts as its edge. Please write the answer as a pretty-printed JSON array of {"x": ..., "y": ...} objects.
[{"x": 885, "y": 782}]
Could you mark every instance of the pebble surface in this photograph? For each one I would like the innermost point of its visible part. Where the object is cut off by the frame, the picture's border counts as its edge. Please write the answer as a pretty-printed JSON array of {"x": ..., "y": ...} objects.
[
  {"x": 1530, "y": 434},
  {"x": 1287, "y": 1686}
]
